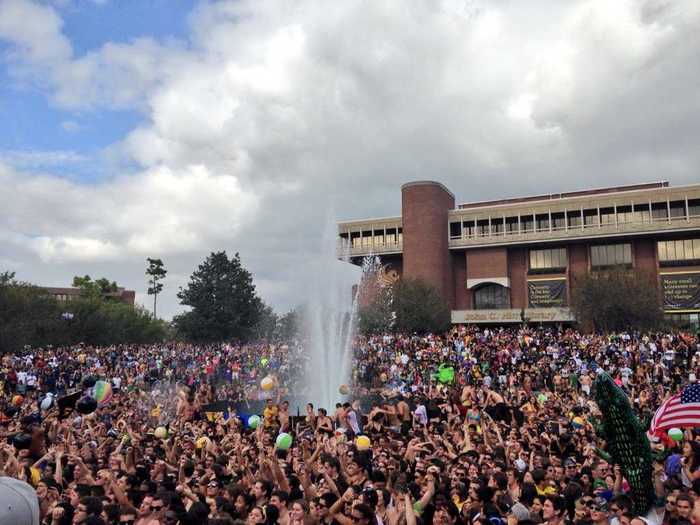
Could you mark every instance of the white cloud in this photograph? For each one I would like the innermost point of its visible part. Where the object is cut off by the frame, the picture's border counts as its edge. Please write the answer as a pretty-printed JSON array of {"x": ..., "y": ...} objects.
[
  {"x": 40, "y": 159},
  {"x": 270, "y": 113},
  {"x": 70, "y": 126}
]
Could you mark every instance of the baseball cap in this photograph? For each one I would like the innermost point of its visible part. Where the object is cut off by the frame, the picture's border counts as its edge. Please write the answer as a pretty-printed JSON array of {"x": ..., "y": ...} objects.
[{"x": 18, "y": 502}]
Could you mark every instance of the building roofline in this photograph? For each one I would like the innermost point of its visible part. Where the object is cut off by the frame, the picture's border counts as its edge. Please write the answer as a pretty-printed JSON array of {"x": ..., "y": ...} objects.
[
  {"x": 565, "y": 195},
  {"x": 427, "y": 183}
]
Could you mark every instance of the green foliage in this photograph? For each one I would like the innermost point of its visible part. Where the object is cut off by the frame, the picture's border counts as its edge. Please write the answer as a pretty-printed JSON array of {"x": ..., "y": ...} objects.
[
  {"x": 377, "y": 317},
  {"x": 410, "y": 306},
  {"x": 28, "y": 316},
  {"x": 616, "y": 299},
  {"x": 156, "y": 272},
  {"x": 419, "y": 308},
  {"x": 224, "y": 303},
  {"x": 97, "y": 289},
  {"x": 267, "y": 327}
]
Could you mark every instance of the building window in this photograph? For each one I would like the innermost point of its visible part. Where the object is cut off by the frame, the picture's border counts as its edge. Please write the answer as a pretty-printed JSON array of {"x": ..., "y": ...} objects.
[
  {"x": 678, "y": 253},
  {"x": 609, "y": 255},
  {"x": 694, "y": 208},
  {"x": 574, "y": 218},
  {"x": 558, "y": 221},
  {"x": 469, "y": 229},
  {"x": 552, "y": 260},
  {"x": 455, "y": 230},
  {"x": 491, "y": 297},
  {"x": 497, "y": 226},
  {"x": 542, "y": 222},
  {"x": 526, "y": 224}
]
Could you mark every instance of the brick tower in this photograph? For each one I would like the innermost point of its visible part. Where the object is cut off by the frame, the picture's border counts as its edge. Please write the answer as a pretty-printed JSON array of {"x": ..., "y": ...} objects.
[{"x": 424, "y": 207}]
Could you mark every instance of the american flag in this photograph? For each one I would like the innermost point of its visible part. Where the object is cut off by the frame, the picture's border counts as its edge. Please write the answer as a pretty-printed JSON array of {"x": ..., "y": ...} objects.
[{"x": 681, "y": 410}]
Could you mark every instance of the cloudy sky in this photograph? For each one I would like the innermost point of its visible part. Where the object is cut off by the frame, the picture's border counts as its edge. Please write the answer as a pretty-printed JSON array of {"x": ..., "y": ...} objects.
[{"x": 171, "y": 128}]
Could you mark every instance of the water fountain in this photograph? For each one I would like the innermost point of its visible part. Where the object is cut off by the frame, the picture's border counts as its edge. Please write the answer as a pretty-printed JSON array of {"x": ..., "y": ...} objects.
[{"x": 331, "y": 321}]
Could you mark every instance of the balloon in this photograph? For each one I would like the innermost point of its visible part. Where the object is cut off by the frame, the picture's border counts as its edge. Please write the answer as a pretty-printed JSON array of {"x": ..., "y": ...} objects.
[
  {"x": 161, "y": 432},
  {"x": 17, "y": 400},
  {"x": 254, "y": 421},
  {"x": 344, "y": 390},
  {"x": 202, "y": 442},
  {"x": 267, "y": 383},
  {"x": 446, "y": 374},
  {"x": 86, "y": 405},
  {"x": 46, "y": 402},
  {"x": 102, "y": 392},
  {"x": 577, "y": 422},
  {"x": 676, "y": 434},
  {"x": 284, "y": 441},
  {"x": 363, "y": 443},
  {"x": 264, "y": 361}
]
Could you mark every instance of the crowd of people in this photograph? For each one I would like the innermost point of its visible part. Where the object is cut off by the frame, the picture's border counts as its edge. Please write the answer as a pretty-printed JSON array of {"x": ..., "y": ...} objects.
[{"x": 510, "y": 439}]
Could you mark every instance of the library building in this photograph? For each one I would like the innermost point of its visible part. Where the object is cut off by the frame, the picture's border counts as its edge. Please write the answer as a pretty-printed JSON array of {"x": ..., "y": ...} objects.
[{"x": 516, "y": 259}]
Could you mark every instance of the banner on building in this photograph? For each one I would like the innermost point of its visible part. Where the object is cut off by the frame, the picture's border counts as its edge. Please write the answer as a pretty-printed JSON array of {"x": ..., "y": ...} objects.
[
  {"x": 681, "y": 290},
  {"x": 546, "y": 294}
]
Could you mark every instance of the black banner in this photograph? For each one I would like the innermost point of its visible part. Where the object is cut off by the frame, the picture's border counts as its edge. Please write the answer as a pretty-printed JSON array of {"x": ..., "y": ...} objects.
[
  {"x": 681, "y": 291},
  {"x": 546, "y": 294}
]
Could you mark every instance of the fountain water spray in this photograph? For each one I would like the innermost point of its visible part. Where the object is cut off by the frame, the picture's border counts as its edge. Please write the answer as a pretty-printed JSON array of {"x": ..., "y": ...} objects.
[{"x": 330, "y": 317}]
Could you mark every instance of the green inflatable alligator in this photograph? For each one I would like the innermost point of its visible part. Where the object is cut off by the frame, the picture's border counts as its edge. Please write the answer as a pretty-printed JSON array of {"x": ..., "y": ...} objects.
[{"x": 626, "y": 441}]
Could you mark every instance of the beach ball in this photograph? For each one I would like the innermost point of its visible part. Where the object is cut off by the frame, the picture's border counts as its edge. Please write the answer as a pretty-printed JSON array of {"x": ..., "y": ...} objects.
[
  {"x": 86, "y": 405},
  {"x": 676, "y": 434},
  {"x": 542, "y": 399},
  {"x": 383, "y": 377},
  {"x": 284, "y": 441},
  {"x": 254, "y": 421},
  {"x": 17, "y": 400},
  {"x": 264, "y": 361},
  {"x": 404, "y": 359},
  {"x": 46, "y": 402},
  {"x": 577, "y": 422},
  {"x": 340, "y": 435},
  {"x": 202, "y": 442},
  {"x": 267, "y": 383},
  {"x": 344, "y": 390},
  {"x": 160, "y": 432},
  {"x": 102, "y": 392},
  {"x": 363, "y": 443}
]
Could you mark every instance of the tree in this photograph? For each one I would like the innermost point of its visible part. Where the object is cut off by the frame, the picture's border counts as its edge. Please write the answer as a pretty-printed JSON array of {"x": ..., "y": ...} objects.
[
  {"x": 377, "y": 316},
  {"x": 267, "y": 327},
  {"x": 224, "y": 303},
  {"x": 156, "y": 272},
  {"x": 418, "y": 307},
  {"x": 289, "y": 324},
  {"x": 101, "y": 288},
  {"x": 616, "y": 299}
]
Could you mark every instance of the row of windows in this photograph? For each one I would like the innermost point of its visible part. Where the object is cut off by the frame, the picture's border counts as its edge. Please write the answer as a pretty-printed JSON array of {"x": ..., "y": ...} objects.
[
  {"x": 548, "y": 259},
  {"x": 601, "y": 256},
  {"x": 611, "y": 255},
  {"x": 374, "y": 238},
  {"x": 686, "y": 250},
  {"x": 610, "y": 216}
]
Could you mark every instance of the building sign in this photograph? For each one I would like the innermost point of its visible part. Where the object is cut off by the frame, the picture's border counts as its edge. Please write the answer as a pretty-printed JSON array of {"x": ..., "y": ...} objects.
[
  {"x": 512, "y": 315},
  {"x": 681, "y": 290},
  {"x": 546, "y": 293}
]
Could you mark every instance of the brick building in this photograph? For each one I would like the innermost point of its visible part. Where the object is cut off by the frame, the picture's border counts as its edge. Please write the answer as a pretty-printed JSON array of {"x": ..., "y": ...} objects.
[
  {"x": 67, "y": 294},
  {"x": 505, "y": 260}
]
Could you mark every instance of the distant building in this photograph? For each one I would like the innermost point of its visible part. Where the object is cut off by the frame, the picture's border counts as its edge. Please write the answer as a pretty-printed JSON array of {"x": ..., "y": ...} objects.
[
  {"x": 505, "y": 260},
  {"x": 67, "y": 294}
]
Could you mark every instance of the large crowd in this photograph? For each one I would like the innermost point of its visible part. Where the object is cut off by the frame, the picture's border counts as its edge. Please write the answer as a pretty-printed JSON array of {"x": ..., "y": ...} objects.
[{"x": 511, "y": 439}]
